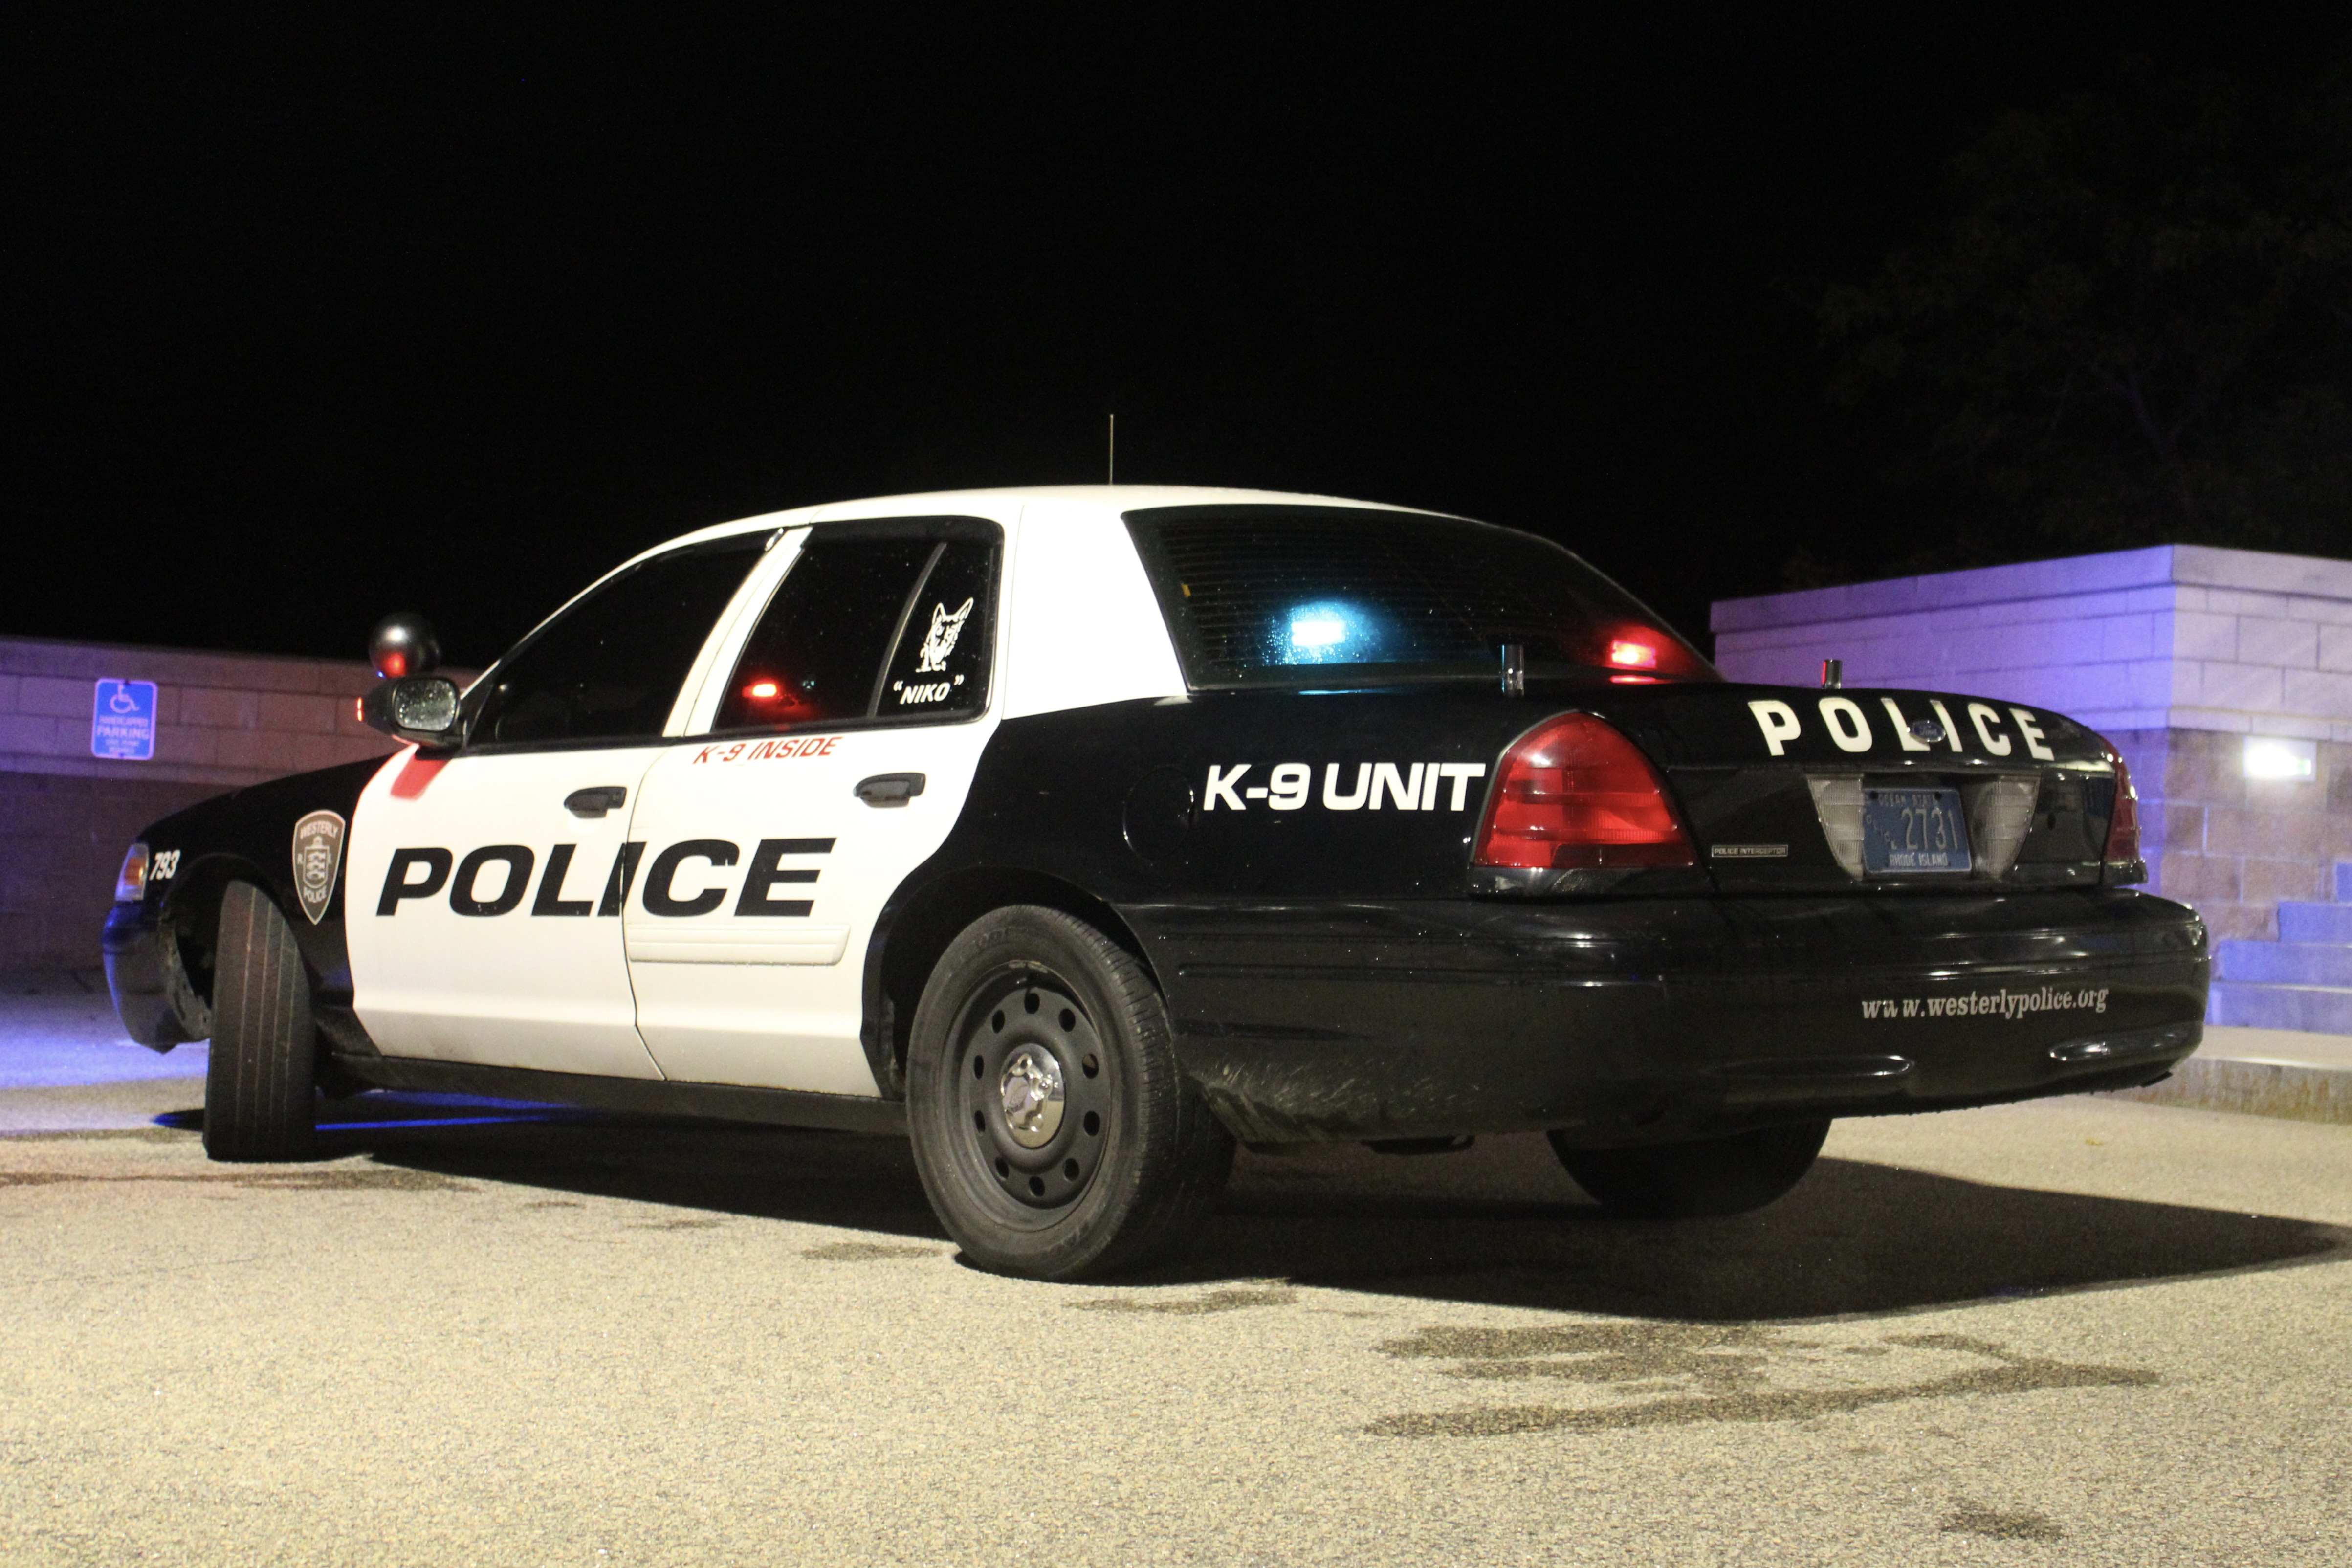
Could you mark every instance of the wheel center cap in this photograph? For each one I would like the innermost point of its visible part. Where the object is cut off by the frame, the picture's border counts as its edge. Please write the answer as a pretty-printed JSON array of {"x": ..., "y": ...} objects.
[{"x": 1031, "y": 1089}]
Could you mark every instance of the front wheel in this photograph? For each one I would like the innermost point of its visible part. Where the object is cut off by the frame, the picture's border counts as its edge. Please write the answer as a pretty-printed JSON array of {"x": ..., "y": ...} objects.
[
  {"x": 261, "y": 1080},
  {"x": 1706, "y": 1177},
  {"x": 1054, "y": 1133}
]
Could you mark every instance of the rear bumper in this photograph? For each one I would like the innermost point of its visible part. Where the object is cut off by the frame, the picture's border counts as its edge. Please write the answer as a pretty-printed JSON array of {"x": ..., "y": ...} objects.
[{"x": 1652, "y": 1020}]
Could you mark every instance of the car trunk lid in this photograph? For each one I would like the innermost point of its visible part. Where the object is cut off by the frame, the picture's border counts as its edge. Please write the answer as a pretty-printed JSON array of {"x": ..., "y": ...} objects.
[{"x": 1785, "y": 789}]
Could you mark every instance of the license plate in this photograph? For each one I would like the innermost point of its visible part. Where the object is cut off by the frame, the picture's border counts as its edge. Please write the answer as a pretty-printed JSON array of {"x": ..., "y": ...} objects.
[{"x": 1913, "y": 830}]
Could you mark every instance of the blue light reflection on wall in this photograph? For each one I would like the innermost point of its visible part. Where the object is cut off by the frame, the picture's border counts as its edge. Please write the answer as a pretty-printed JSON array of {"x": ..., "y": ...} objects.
[{"x": 1327, "y": 631}]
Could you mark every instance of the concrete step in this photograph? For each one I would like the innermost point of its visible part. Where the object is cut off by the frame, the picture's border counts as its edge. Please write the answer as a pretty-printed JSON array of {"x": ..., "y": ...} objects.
[
  {"x": 2283, "y": 962},
  {"x": 2330, "y": 1053},
  {"x": 2301, "y": 922},
  {"x": 2262, "y": 1072},
  {"x": 2314, "y": 1009}
]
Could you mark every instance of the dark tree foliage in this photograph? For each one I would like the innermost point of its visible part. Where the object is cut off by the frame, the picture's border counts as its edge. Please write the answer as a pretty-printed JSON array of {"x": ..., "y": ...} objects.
[{"x": 2133, "y": 327}]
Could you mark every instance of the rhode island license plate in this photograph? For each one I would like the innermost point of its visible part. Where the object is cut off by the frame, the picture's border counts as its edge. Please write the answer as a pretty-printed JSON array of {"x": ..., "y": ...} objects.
[{"x": 1913, "y": 830}]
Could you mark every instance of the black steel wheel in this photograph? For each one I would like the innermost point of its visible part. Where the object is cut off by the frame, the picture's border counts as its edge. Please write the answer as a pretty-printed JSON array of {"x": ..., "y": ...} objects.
[
  {"x": 1690, "y": 1181},
  {"x": 261, "y": 1080},
  {"x": 1054, "y": 1133}
]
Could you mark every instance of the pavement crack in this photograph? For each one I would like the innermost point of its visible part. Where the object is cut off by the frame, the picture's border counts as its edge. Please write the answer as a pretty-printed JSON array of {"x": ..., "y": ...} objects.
[
  {"x": 1739, "y": 1373},
  {"x": 865, "y": 1252},
  {"x": 1974, "y": 1519},
  {"x": 1232, "y": 1299}
]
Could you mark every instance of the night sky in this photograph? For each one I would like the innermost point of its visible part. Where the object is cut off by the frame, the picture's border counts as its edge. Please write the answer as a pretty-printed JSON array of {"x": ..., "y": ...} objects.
[{"x": 311, "y": 319}]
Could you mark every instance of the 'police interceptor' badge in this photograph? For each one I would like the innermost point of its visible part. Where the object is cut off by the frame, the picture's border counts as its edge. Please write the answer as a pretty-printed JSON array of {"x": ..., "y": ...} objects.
[{"x": 318, "y": 856}]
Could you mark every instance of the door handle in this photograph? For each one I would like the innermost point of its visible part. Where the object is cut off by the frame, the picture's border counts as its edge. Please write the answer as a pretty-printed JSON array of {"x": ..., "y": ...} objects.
[
  {"x": 890, "y": 789},
  {"x": 595, "y": 800}
]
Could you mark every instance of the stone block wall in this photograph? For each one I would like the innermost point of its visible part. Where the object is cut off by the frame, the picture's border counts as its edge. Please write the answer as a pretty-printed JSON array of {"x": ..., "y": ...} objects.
[
  {"x": 61, "y": 843},
  {"x": 2177, "y": 636},
  {"x": 65, "y": 817},
  {"x": 220, "y": 718},
  {"x": 2231, "y": 847}
]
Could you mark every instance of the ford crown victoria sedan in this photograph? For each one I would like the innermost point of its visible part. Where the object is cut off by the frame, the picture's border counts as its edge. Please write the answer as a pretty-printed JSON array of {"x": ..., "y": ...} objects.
[{"x": 1079, "y": 834}]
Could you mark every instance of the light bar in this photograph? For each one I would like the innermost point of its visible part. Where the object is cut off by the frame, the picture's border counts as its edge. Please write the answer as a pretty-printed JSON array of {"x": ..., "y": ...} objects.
[{"x": 1632, "y": 655}]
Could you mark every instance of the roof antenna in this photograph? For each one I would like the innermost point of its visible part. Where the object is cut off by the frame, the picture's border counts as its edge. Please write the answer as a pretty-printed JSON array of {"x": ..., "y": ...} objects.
[{"x": 1112, "y": 477}]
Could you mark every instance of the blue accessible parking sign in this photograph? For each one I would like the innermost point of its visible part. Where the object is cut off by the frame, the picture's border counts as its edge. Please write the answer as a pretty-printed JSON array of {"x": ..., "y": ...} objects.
[{"x": 122, "y": 720}]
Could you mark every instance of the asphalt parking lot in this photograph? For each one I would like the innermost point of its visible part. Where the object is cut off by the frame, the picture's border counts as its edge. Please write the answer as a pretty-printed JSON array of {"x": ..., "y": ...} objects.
[{"x": 2079, "y": 1332}]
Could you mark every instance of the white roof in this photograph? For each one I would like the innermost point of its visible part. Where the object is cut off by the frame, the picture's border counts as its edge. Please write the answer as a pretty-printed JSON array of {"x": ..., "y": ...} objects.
[{"x": 1113, "y": 499}]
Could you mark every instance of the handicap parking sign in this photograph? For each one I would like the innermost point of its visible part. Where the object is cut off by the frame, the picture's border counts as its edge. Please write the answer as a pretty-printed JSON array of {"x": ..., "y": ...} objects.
[{"x": 122, "y": 720}]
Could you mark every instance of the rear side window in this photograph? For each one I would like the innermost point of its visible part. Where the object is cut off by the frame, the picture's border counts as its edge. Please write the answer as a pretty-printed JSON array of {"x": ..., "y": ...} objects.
[
  {"x": 864, "y": 628},
  {"x": 609, "y": 668},
  {"x": 1325, "y": 596},
  {"x": 940, "y": 665}
]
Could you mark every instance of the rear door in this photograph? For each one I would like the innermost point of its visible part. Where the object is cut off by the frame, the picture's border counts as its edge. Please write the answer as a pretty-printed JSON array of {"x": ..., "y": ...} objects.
[
  {"x": 485, "y": 890},
  {"x": 840, "y": 743}
]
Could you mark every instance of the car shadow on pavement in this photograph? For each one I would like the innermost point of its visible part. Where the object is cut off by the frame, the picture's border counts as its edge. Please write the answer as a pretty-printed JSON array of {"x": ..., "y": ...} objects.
[
  {"x": 815, "y": 1177},
  {"x": 1853, "y": 1238}
]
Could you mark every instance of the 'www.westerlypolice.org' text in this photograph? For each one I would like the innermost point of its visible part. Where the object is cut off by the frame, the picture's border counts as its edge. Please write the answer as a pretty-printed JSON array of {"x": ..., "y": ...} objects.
[{"x": 2010, "y": 1005}]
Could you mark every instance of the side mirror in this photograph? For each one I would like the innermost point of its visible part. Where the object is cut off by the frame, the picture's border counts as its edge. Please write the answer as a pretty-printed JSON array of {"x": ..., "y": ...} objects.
[
  {"x": 419, "y": 709},
  {"x": 412, "y": 704}
]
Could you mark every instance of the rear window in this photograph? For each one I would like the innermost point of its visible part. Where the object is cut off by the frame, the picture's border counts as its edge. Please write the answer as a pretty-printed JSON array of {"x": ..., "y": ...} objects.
[{"x": 1331, "y": 596}]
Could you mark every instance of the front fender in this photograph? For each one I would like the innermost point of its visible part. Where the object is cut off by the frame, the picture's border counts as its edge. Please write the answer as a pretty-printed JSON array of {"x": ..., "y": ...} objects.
[{"x": 158, "y": 1004}]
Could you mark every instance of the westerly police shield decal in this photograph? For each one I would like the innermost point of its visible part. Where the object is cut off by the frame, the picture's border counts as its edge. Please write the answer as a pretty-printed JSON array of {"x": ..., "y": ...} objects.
[{"x": 318, "y": 856}]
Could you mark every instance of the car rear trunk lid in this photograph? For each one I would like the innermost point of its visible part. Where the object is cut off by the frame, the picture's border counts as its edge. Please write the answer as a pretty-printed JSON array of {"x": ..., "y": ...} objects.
[{"x": 1785, "y": 789}]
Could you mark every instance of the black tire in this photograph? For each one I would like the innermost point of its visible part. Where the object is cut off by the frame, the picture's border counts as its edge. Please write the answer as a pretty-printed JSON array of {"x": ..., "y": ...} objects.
[
  {"x": 1689, "y": 1181},
  {"x": 261, "y": 1084},
  {"x": 1109, "y": 1158}
]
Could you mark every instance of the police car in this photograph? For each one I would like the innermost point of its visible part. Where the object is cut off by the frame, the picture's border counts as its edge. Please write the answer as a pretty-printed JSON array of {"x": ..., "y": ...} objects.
[{"x": 1079, "y": 832}]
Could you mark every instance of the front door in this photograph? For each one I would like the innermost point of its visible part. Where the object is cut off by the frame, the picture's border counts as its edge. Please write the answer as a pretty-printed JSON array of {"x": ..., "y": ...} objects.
[
  {"x": 485, "y": 889},
  {"x": 475, "y": 931},
  {"x": 772, "y": 842}
]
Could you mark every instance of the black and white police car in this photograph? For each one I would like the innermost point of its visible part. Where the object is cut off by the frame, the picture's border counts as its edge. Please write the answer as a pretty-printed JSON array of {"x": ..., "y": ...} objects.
[{"x": 1079, "y": 833}]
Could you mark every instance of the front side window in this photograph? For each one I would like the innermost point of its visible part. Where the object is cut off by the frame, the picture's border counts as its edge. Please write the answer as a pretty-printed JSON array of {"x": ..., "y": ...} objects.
[
  {"x": 609, "y": 668},
  {"x": 1331, "y": 596},
  {"x": 869, "y": 626}
]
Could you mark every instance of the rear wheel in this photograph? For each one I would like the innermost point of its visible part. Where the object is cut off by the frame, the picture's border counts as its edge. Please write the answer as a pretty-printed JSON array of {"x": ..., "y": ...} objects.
[
  {"x": 1054, "y": 1133},
  {"x": 1688, "y": 1181},
  {"x": 261, "y": 1083}
]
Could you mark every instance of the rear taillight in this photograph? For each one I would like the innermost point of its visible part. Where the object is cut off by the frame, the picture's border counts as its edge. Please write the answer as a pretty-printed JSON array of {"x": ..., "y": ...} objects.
[
  {"x": 2122, "y": 826},
  {"x": 131, "y": 882},
  {"x": 1574, "y": 793}
]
